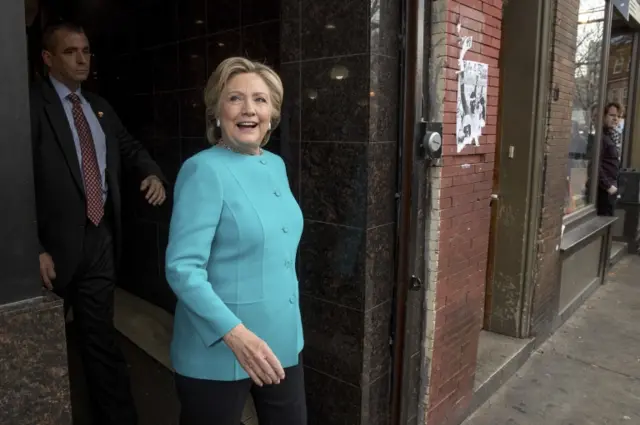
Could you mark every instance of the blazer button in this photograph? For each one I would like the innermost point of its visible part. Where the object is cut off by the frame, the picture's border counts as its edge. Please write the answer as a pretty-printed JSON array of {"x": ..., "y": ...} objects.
[
  {"x": 285, "y": 230},
  {"x": 262, "y": 161},
  {"x": 292, "y": 300},
  {"x": 277, "y": 193}
]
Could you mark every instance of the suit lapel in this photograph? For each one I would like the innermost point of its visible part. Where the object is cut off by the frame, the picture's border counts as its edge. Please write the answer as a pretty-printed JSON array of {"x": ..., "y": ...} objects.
[{"x": 60, "y": 125}]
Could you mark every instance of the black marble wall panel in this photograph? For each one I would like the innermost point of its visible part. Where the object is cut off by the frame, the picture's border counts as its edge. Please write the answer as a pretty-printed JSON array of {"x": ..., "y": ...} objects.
[
  {"x": 222, "y": 45},
  {"x": 341, "y": 59},
  {"x": 334, "y": 28},
  {"x": 288, "y": 136},
  {"x": 33, "y": 363},
  {"x": 335, "y": 99},
  {"x": 290, "y": 31},
  {"x": 192, "y": 20},
  {"x": 383, "y": 107},
  {"x": 384, "y": 36},
  {"x": 381, "y": 180},
  {"x": 19, "y": 250},
  {"x": 334, "y": 182}
]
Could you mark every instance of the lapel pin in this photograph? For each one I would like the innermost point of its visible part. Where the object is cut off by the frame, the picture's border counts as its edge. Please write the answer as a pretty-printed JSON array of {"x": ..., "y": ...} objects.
[{"x": 100, "y": 114}]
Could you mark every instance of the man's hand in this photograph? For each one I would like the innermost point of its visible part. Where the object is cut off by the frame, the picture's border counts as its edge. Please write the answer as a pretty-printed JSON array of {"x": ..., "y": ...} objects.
[
  {"x": 612, "y": 190},
  {"x": 156, "y": 194},
  {"x": 47, "y": 270}
]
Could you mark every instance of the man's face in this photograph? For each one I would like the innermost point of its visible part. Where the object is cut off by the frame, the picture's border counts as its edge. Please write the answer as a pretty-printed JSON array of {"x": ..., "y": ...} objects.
[
  {"x": 611, "y": 117},
  {"x": 70, "y": 59}
]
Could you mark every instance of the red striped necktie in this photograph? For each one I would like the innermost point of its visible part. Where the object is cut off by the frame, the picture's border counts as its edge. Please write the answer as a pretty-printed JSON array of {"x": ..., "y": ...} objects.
[{"x": 90, "y": 169}]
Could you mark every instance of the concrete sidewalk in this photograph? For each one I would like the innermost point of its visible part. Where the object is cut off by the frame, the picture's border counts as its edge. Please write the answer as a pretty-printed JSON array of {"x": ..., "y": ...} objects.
[{"x": 588, "y": 372}]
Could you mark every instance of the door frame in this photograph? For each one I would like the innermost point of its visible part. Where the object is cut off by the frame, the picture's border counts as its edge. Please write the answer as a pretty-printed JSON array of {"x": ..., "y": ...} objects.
[
  {"x": 510, "y": 272},
  {"x": 408, "y": 311}
]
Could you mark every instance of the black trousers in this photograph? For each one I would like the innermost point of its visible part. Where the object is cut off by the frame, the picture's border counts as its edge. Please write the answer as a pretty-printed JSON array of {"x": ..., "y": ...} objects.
[
  {"x": 205, "y": 402},
  {"x": 91, "y": 293},
  {"x": 605, "y": 203}
]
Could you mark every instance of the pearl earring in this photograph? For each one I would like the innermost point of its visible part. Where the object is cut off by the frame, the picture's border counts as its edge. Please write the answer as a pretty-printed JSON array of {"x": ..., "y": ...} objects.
[
  {"x": 269, "y": 125},
  {"x": 218, "y": 122}
]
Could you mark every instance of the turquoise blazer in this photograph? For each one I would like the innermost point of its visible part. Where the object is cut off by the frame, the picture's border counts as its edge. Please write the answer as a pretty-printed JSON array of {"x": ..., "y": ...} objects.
[{"x": 231, "y": 258}]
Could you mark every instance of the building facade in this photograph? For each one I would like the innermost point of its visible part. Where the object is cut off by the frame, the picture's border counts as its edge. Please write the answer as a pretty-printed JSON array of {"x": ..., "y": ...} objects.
[
  {"x": 515, "y": 242},
  {"x": 426, "y": 279}
]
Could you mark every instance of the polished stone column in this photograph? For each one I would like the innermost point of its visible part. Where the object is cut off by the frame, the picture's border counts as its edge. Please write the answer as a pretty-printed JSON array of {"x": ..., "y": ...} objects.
[
  {"x": 19, "y": 249},
  {"x": 340, "y": 71},
  {"x": 33, "y": 361}
]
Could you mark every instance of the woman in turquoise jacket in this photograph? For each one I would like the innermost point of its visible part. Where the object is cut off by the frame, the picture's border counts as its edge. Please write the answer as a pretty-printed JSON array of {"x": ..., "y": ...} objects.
[{"x": 230, "y": 260}]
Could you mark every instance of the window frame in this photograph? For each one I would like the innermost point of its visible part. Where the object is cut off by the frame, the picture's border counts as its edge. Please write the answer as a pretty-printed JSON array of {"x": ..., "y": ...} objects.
[
  {"x": 630, "y": 107},
  {"x": 618, "y": 64},
  {"x": 577, "y": 217}
]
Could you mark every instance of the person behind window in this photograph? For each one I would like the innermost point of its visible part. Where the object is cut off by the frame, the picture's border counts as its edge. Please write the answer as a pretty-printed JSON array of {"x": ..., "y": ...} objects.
[
  {"x": 609, "y": 166},
  {"x": 230, "y": 260}
]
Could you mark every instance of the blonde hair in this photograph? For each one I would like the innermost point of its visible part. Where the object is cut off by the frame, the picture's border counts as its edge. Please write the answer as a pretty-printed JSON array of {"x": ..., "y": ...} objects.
[{"x": 217, "y": 82}]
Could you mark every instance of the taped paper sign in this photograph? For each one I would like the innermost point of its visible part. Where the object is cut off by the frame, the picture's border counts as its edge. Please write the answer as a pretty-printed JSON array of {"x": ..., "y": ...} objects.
[{"x": 471, "y": 114}]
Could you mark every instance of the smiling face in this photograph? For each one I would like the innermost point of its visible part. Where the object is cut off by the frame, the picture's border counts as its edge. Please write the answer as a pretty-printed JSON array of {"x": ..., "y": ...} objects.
[
  {"x": 245, "y": 111},
  {"x": 68, "y": 57}
]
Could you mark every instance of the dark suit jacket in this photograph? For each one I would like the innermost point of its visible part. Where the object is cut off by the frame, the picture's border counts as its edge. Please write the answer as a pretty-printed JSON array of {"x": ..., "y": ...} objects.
[
  {"x": 609, "y": 168},
  {"x": 60, "y": 197}
]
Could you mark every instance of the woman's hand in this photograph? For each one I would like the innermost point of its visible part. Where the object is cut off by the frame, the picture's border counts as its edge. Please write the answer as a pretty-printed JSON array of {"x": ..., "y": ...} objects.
[{"x": 255, "y": 356}]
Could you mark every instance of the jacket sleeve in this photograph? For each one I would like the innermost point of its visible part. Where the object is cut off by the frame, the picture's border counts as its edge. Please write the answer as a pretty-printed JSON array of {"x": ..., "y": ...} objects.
[
  {"x": 196, "y": 212},
  {"x": 607, "y": 154}
]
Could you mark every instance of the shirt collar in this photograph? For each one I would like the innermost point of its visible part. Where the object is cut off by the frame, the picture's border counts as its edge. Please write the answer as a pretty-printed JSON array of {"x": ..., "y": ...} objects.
[{"x": 62, "y": 90}]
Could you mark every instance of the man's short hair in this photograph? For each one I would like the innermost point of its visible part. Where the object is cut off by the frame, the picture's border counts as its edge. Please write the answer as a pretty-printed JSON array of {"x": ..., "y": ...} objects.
[
  {"x": 48, "y": 35},
  {"x": 616, "y": 105}
]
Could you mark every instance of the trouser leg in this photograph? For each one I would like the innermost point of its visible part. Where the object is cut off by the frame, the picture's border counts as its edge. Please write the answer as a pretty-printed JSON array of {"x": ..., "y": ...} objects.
[
  {"x": 92, "y": 300},
  {"x": 285, "y": 403},
  {"x": 207, "y": 402}
]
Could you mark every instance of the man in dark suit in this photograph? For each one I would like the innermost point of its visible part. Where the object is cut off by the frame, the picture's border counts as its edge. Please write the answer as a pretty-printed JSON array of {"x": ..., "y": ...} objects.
[
  {"x": 609, "y": 161},
  {"x": 79, "y": 148}
]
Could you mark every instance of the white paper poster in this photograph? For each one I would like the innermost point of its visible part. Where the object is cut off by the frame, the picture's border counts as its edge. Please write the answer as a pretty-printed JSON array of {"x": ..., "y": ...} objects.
[{"x": 471, "y": 113}]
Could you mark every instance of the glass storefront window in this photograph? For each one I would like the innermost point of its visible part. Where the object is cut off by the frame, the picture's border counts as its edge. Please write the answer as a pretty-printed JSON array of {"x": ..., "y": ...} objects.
[
  {"x": 619, "y": 77},
  {"x": 585, "y": 115}
]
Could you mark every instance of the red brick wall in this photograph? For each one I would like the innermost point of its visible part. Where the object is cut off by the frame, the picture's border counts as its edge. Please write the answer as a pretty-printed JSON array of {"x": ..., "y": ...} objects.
[
  {"x": 545, "y": 300},
  {"x": 463, "y": 191}
]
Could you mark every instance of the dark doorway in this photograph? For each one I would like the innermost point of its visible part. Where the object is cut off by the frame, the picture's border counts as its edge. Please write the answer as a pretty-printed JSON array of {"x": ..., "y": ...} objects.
[{"x": 151, "y": 60}]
